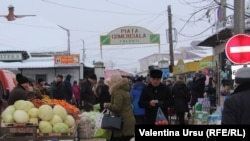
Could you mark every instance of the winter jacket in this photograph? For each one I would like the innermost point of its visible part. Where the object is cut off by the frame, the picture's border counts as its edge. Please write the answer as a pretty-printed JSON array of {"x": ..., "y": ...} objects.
[
  {"x": 68, "y": 88},
  {"x": 160, "y": 93},
  {"x": 52, "y": 89},
  {"x": 60, "y": 91},
  {"x": 19, "y": 93},
  {"x": 198, "y": 85},
  {"x": 181, "y": 96},
  {"x": 104, "y": 96},
  {"x": 121, "y": 105},
  {"x": 41, "y": 89},
  {"x": 76, "y": 92},
  {"x": 135, "y": 93},
  {"x": 236, "y": 107},
  {"x": 86, "y": 92}
]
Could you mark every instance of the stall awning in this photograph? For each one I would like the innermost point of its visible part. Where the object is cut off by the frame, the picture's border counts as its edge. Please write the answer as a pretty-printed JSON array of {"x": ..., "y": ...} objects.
[{"x": 217, "y": 39}]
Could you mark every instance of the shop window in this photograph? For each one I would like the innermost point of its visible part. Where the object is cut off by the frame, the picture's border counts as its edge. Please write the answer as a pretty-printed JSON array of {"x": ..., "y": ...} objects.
[{"x": 43, "y": 76}]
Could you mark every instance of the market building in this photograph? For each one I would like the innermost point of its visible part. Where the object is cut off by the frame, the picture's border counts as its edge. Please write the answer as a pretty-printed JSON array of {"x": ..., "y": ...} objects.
[
  {"x": 187, "y": 68},
  {"x": 187, "y": 54}
]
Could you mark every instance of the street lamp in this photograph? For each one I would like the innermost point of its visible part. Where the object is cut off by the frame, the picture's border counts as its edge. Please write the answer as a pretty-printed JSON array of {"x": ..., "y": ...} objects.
[
  {"x": 83, "y": 51},
  {"x": 68, "y": 34}
]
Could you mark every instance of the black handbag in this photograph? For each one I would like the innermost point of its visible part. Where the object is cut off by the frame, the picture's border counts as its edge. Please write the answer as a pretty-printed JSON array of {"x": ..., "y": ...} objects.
[{"x": 111, "y": 122}]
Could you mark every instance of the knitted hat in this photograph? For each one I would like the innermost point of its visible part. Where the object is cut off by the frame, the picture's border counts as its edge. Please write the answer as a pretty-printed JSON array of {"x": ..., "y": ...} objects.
[
  {"x": 21, "y": 79},
  {"x": 155, "y": 73},
  {"x": 115, "y": 77},
  {"x": 242, "y": 75}
]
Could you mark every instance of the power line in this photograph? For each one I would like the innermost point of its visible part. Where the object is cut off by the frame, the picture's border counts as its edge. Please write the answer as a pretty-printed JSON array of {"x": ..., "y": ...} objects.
[
  {"x": 196, "y": 34},
  {"x": 96, "y": 10},
  {"x": 125, "y": 6},
  {"x": 191, "y": 18}
]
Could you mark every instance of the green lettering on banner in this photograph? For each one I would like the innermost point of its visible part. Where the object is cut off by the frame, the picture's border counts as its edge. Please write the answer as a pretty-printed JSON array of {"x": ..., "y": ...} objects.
[
  {"x": 105, "y": 40},
  {"x": 155, "y": 38}
]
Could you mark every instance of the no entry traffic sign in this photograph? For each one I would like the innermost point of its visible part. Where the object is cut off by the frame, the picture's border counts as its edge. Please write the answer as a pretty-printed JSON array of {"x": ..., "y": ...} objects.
[{"x": 238, "y": 49}]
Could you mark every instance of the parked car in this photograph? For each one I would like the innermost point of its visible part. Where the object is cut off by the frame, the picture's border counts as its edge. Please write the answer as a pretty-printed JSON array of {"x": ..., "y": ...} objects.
[{"x": 7, "y": 83}]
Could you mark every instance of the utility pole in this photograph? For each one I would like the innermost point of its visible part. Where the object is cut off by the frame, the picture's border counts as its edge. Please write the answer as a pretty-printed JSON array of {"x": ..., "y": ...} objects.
[
  {"x": 171, "y": 52},
  {"x": 239, "y": 17}
]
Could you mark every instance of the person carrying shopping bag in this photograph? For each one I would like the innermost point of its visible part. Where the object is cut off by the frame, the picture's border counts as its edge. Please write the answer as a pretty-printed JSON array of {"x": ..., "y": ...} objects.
[
  {"x": 155, "y": 95},
  {"x": 120, "y": 105}
]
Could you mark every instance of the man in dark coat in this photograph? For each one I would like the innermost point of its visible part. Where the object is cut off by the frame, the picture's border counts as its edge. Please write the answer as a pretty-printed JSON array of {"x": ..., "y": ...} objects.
[
  {"x": 60, "y": 88},
  {"x": 68, "y": 89},
  {"x": 87, "y": 96},
  {"x": 198, "y": 87},
  {"x": 155, "y": 95},
  {"x": 236, "y": 107}
]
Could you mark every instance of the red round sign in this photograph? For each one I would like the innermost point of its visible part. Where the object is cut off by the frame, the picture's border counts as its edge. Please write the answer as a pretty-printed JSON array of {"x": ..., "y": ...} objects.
[{"x": 238, "y": 49}]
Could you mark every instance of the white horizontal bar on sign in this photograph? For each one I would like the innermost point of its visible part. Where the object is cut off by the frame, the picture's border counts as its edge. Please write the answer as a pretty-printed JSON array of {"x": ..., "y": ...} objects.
[{"x": 240, "y": 49}]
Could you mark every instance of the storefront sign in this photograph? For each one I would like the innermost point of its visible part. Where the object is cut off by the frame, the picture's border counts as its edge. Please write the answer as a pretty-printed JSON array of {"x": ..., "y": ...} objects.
[
  {"x": 165, "y": 73},
  {"x": 130, "y": 35},
  {"x": 67, "y": 59},
  {"x": 11, "y": 57}
]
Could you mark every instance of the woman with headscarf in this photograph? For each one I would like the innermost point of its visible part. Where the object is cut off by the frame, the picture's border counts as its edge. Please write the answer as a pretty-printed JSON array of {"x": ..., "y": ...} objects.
[
  {"x": 121, "y": 105},
  {"x": 23, "y": 90}
]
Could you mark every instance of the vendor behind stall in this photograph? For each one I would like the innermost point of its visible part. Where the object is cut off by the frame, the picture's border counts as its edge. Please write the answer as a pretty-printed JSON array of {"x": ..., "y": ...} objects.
[{"x": 23, "y": 90}]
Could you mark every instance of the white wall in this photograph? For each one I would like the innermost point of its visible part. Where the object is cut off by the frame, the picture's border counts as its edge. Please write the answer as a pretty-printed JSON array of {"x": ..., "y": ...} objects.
[{"x": 51, "y": 73}]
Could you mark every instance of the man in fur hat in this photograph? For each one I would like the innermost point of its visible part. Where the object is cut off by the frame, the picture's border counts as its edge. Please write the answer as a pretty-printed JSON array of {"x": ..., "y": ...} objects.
[
  {"x": 236, "y": 107},
  {"x": 154, "y": 95}
]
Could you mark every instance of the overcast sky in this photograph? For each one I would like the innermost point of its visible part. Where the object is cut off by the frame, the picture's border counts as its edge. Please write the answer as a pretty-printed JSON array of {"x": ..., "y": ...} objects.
[{"x": 88, "y": 19}]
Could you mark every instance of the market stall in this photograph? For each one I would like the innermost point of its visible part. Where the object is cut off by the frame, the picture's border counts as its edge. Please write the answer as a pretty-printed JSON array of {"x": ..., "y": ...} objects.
[{"x": 40, "y": 119}]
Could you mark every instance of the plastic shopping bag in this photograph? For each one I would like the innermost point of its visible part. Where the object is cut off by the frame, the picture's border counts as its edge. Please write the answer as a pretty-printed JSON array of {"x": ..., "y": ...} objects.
[
  {"x": 102, "y": 133},
  {"x": 98, "y": 119},
  {"x": 160, "y": 118}
]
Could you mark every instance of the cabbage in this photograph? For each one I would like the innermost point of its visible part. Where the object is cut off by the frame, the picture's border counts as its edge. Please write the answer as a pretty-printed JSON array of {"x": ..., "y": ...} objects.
[
  {"x": 8, "y": 111},
  {"x": 23, "y": 105},
  {"x": 33, "y": 120},
  {"x": 60, "y": 111},
  {"x": 45, "y": 127},
  {"x": 69, "y": 120},
  {"x": 56, "y": 119},
  {"x": 33, "y": 113},
  {"x": 45, "y": 112},
  {"x": 21, "y": 116},
  {"x": 61, "y": 128},
  {"x": 8, "y": 118}
]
